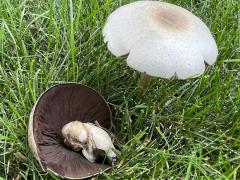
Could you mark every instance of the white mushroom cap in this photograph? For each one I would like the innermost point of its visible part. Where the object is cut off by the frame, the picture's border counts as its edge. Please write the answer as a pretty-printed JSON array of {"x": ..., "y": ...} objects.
[{"x": 162, "y": 39}]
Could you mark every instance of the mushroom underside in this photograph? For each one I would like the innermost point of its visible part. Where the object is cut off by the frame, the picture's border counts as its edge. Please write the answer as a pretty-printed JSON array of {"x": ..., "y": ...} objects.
[{"x": 56, "y": 107}]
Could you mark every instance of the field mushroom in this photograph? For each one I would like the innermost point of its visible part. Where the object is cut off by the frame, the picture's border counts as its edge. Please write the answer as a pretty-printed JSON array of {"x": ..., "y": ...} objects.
[
  {"x": 55, "y": 108},
  {"x": 161, "y": 40}
]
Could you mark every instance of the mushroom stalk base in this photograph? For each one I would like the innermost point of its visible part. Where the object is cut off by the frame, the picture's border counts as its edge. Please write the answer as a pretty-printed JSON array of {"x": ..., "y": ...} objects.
[{"x": 144, "y": 82}]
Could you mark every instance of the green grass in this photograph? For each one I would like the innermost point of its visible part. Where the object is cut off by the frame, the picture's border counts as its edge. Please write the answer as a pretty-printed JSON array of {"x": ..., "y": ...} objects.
[{"x": 177, "y": 130}]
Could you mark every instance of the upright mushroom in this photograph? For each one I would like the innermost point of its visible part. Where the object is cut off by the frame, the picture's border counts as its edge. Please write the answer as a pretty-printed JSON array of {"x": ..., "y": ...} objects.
[
  {"x": 162, "y": 40},
  {"x": 58, "y": 106}
]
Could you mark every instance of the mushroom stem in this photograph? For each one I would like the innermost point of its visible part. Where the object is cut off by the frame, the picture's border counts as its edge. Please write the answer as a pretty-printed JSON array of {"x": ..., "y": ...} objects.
[{"x": 144, "y": 82}]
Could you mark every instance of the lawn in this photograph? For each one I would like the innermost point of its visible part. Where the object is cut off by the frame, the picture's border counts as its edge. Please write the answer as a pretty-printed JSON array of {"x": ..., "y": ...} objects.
[{"x": 178, "y": 130}]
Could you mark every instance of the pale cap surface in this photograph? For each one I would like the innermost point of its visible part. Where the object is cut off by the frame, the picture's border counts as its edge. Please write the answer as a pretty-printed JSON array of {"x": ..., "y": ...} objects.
[{"x": 162, "y": 39}]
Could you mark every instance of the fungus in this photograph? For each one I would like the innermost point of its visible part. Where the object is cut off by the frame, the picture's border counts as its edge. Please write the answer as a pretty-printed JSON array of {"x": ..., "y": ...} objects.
[
  {"x": 55, "y": 108},
  {"x": 161, "y": 40},
  {"x": 89, "y": 138}
]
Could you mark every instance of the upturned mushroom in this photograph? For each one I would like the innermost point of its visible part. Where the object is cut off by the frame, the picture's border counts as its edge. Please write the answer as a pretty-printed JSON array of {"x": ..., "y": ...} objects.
[
  {"x": 89, "y": 138},
  {"x": 57, "y": 107},
  {"x": 161, "y": 40}
]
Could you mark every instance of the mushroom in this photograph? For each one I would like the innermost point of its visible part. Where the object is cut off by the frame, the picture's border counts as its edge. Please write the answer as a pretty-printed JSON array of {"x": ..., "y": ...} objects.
[
  {"x": 56, "y": 107},
  {"x": 161, "y": 40},
  {"x": 90, "y": 139}
]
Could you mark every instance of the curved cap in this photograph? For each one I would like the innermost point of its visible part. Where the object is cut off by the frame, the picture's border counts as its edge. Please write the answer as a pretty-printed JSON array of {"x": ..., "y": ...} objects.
[
  {"x": 56, "y": 107},
  {"x": 162, "y": 39}
]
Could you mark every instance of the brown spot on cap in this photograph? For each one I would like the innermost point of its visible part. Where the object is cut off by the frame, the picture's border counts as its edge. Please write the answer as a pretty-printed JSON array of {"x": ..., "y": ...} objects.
[{"x": 169, "y": 18}]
